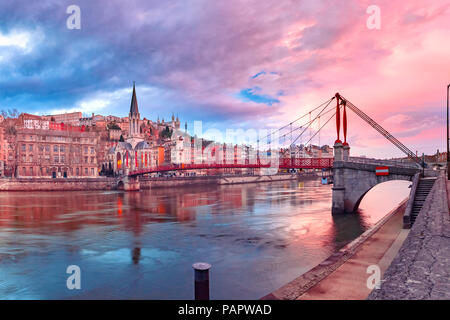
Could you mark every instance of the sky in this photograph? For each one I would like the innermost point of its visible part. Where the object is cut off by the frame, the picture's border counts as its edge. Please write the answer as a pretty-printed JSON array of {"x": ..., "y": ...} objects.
[{"x": 235, "y": 64}]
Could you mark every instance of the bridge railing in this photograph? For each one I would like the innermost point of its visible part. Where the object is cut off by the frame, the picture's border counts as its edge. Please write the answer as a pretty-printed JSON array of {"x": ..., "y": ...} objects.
[
  {"x": 404, "y": 163},
  {"x": 284, "y": 163},
  {"x": 306, "y": 163}
]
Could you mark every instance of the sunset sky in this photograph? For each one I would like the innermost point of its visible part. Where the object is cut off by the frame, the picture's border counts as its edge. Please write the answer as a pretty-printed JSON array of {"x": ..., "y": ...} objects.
[{"x": 235, "y": 64}]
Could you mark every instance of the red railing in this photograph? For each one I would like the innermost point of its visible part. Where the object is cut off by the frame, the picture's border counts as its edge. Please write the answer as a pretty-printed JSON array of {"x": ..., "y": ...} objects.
[{"x": 295, "y": 163}]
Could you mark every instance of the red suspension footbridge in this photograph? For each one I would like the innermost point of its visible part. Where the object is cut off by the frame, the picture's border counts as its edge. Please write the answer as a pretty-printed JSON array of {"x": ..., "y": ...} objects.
[{"x": 285, "y": 158}]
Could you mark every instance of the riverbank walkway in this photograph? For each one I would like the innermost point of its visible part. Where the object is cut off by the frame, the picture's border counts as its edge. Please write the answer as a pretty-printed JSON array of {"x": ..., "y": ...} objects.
[
  {"x": 349, "y": 281},
  {"x": 414, "y": 264},
  {"x": 344, "y": 274}
]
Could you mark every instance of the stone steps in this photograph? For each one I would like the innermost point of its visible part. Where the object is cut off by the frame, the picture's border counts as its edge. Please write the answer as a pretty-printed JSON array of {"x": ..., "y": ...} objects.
[{"x": 423, "y": 189}]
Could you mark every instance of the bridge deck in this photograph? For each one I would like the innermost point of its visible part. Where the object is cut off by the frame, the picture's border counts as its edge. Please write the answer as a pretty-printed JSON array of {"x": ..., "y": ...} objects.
[{"x": 296, "y": 163}]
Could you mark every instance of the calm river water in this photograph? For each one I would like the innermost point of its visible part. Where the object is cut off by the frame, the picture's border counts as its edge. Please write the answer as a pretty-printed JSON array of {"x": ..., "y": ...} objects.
[{"x": 141, "y": 245}]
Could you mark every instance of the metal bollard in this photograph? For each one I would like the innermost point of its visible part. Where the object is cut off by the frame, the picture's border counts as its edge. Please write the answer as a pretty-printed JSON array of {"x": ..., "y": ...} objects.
[{"x": 201, "y": 280}]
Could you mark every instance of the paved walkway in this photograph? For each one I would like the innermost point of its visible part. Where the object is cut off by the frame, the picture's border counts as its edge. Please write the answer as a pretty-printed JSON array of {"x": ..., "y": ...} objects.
[
  {"x": 349, "y": 281},
  {"x": 421, "y": 270},
  {"x": 344, "y": 274}
]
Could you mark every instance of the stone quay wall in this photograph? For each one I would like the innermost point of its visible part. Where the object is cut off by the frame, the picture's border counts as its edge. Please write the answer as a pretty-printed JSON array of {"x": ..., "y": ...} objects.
[
  {"x": 253, "y": 179},
  {"x": 421, "y": 269},
  {"x": 145, "y": 183},
  {"x": 150, "y": 183},
  {"x": 58, "y": 184}
]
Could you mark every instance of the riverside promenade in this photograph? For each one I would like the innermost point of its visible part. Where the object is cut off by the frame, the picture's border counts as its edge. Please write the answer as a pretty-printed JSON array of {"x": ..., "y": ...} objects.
[
  {"x": 421, "y": 270},
  {"x": 413, "y": 264}
]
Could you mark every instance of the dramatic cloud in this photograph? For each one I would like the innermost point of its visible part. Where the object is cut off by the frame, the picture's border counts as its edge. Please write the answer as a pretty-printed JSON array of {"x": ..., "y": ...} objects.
[{"x": 239, "y": 64}]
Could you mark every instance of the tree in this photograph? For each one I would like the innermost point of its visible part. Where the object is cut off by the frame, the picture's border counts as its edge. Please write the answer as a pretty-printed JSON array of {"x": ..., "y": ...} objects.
[
  {"x": 10, "y": 113},
  {"x": 11, "y": 138},
  {"x": 113, "y": 126},
  {"x": 166, "y": 133}
]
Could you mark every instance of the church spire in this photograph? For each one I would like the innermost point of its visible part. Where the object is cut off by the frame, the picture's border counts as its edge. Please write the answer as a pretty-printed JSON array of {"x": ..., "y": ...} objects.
[
  {"x": 134, "y": 117},
  {"x": 134, "y": 110}
]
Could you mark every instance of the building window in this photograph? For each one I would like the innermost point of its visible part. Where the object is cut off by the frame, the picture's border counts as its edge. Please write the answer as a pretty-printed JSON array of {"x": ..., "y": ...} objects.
[
  {"x": 24, "y": 147},
  {"x": 92, "y": 171},
  {"x": 85, "y": 149},
  {"x": 31, "y": 171},
  {"x": 55, "y": 148},
  {"x": 92, "y": 159},
  {"x": 92, "y": 150},
  {"x": 78, "y": 171},
  {"x": 63, "y": 159},
  {"x": 85, "y": 171},
  {"x": 56, "y": 159},
  {"x": 47, "y": 148},
  {"x": 85, "y": 159},
  {"x": 31, "y": 158},
  {"x": 62, "y": 149},
  {"x": 24, "y": 171}
]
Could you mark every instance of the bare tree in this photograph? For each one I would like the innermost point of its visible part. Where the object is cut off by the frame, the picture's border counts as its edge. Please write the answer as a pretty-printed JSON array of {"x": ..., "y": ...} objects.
[
  {"x": 11, "y": 138},
  {"x": 10, "y": 113}
]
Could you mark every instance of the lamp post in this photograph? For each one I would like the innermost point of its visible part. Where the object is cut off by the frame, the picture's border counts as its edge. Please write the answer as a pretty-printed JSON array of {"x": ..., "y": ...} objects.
[{"x": 448, "y": 146}]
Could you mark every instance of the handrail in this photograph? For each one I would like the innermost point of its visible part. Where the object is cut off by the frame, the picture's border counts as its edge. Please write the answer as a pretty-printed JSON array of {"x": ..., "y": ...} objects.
[
  {"x": 305, "y": 163},
  {"x": 410, "y": 204},
  {"x": 397, "y": 163}
]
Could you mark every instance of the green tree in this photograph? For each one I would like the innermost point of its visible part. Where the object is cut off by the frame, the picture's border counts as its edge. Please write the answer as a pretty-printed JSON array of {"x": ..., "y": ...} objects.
[
  {"x": 113, "y": 126},
  {"x": 166, "y": 133}
]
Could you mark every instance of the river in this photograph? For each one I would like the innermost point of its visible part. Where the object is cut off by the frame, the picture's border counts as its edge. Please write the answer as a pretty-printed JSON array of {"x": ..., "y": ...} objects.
[{"x": 141, "y": 245}]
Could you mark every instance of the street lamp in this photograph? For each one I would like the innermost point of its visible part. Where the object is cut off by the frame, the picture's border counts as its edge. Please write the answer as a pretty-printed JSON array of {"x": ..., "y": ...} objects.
[{"x": 448, "y": 147}]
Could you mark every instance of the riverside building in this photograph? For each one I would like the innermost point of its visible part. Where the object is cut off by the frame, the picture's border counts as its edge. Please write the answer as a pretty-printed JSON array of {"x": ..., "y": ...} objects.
[{"x": 63, "y": 153}]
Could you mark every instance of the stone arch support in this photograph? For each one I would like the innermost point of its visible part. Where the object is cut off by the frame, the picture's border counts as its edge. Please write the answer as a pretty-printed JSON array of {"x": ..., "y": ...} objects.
[{"x": 353, "y": 180}]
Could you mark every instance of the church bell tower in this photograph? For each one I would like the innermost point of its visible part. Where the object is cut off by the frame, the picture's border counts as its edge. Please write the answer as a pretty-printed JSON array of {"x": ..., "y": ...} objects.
[{"x": 134, "y": 116}]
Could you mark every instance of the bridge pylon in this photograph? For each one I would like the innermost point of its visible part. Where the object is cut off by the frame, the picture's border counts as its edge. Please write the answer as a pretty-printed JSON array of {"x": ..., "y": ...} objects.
[{"x": 338, "y": 196}]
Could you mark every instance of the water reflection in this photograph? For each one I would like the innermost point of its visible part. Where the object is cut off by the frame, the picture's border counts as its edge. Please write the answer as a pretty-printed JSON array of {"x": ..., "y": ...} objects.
[{"x": 142, "y": 244}]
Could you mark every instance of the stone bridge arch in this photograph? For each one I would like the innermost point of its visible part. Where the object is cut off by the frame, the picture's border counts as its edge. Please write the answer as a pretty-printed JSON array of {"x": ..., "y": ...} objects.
[
  {"x": 127, "y": 183},
  {"x": 353, "y": 180}
]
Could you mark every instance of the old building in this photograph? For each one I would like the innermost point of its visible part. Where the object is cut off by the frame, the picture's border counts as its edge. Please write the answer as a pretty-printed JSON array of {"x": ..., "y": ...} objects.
[
  {"x": 72, "y": 118},
  {"x": 55, "y": 153}
]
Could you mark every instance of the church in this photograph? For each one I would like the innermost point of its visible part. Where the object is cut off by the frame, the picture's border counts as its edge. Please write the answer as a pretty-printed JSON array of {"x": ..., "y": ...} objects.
[{"x": 134, "y": 153}]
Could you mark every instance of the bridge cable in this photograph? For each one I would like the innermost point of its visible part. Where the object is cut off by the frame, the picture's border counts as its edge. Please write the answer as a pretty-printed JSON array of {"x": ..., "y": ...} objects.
[
  {"x": 319, "y": 133},
  {"x": 301, "y": 117},
  {"x": 306, "y": 123},
  {"x": 322, "y": 126},
  {"x": 311, "y": 123},
  {"x": 381, "y": 130}
]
